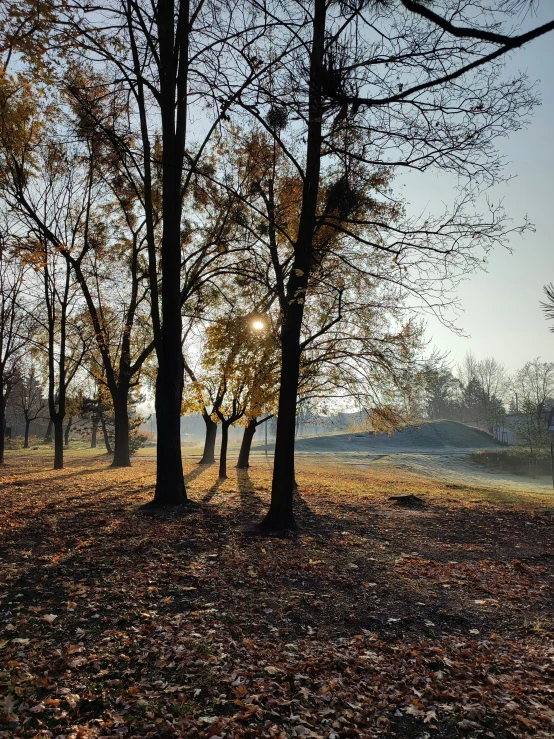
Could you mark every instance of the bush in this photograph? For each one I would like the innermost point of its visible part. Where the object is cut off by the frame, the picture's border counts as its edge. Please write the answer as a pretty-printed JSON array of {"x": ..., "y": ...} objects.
[
  {"x": 516, "y": 460},
  {"x": 137, "y": 439}
]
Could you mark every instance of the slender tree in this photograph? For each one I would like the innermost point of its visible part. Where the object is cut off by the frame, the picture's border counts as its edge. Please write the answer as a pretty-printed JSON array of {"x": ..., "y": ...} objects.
[
  {"x": 164, "y": 55},
  {"x": 31, "y": 397},
  {"x": 16, "y": 327},
  {"x": 355, "y": 95}
]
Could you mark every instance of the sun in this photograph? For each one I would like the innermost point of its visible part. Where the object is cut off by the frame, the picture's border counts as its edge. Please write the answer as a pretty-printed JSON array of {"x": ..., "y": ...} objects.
[{"x": 258, "y": 325}]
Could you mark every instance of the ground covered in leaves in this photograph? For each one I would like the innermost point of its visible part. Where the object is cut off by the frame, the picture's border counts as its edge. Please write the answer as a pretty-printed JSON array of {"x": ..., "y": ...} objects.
[{"x": 377, "y": 620}]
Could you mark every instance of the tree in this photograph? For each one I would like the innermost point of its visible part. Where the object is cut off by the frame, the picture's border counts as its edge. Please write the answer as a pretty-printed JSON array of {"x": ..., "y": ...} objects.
[
  {"x": 217, "y": 251},
  {"x": 31, "y": 396},
  {"x": 548, "y": 304},
  {"x": 441, "y": 392},
  {"x": 405, "y": 123},
  {"x": 238, "y": 373},
  {"x": 16, "y": 327},
  {"x": 67, "y": 340},
  {"x": 534, "y": 384},
  {"x": 162, "y": 57},
  {"x": 74, "y": 198},
  {"x": 494, "y": 382},
  {"x": 250, "y": 429},
  {"x": 96, "y": 410}
]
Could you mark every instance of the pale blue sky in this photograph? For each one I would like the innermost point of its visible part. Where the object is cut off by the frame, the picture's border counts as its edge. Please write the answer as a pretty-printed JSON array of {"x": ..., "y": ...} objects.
[{"x": 502, "y": 313}]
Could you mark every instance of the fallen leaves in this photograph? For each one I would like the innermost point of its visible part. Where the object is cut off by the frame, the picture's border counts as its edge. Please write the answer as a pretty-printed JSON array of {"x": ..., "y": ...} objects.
[{"x": 117, "y": 625}]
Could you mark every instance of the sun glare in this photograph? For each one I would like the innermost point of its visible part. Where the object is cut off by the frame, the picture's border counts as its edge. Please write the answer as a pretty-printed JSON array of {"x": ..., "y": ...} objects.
[{"x": 258, "y": 325}]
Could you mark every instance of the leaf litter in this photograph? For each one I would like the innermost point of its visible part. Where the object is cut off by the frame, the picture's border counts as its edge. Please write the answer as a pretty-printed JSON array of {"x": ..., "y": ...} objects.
[{"x": 373, "y": 622}]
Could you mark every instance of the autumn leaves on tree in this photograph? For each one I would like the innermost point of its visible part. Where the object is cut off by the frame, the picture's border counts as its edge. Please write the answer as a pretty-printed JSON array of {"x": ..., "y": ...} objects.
[{"x": 206, "y": 198}]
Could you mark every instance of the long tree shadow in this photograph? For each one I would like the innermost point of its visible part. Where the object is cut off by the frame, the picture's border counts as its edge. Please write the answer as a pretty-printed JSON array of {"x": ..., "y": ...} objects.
[
  {"x": 196, "y": 472},
  {"x": 213, "y": 490},
  {"x": 306, "y": 517},
  {"x": 78, "y": 473},
  {"x": 251, "y": 504}
]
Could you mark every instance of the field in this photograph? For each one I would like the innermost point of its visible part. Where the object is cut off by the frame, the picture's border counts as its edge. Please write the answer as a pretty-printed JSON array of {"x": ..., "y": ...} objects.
[{"x": 376, "y": 620}]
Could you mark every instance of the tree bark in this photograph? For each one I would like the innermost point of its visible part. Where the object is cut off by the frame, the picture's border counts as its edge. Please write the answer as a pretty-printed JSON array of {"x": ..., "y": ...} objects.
[
  {"x": 223, "y": 452},
  {"x": 58, "y": 444},
  {"x": 122, "y": 454},
  {"x": 94, "y": 434},
  {"x": 208, "y": 456},
  {"x": 280, "y": 515},
  {"x": 2, "y": 425},
  {"x": 170, "y": 482},
  {"x": 173, "y": 69},
  {"x": 26, "y": 442},
  {"x": 48, "y": 434},
  {"x": 67, "y": 430},
  {"x": 244, "y": 454},
  {"x": 109, "y": 449}
]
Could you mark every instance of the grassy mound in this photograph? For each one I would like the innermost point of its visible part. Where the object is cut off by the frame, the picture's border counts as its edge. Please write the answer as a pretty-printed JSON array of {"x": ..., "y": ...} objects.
[{"x": 429, "y": 435}]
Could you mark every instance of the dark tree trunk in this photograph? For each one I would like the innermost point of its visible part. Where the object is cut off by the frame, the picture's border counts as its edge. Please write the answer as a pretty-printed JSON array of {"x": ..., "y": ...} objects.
[
  {"x": 109, "y": 449},
  {"x": 122, "y": 454},
  {"x": 58, "y": 444},
  {"x": 170, "y": 482},
  {"x": 94, "y": 434},
  {"x": 223, "y": 452},
  {"x": 173, "y": 68},
  {"x": 244, "y": 454},
  {"x": 280, "y": 515},
  {"x": 208, "y": 456},
  {"x": 48, "y": 434},
  {"x": 67, "y": 430},
  {"x": 26, "y": 442},
  {"x": 2, "y": 426}
]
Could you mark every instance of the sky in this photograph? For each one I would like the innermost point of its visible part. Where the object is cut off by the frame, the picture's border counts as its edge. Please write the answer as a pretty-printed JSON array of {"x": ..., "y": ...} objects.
[{"x": 501, "y": 314}]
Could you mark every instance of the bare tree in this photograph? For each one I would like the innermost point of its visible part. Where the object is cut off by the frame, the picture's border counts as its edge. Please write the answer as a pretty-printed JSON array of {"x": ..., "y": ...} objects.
[
  {"x": 390, "y": 85},
  {"x": 16, "y": 327},
  {"x": 162, "y": 58},
  {"x": 534, "y": 385},
  {"x": 67, "y": 339},
  {"x": 31, "y": 396}
]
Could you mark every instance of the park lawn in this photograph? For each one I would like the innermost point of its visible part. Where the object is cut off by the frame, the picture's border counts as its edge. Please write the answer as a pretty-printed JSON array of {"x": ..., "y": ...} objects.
[{"x": 376, "y": 620}]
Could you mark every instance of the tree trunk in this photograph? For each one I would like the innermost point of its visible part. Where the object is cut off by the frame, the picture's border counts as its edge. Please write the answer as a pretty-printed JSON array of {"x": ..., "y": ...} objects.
[
  {"x": 109, "y": 449},
  {"x": 280, "y": 515},
  {"x": 170, "y": 482},
  {"x": 244, "y": 454},
  {"x": 67, "y": 430},
  {"x": 122, "y": 454},
  {"x": 2, "y": 426},
  {"x": 208, "y": 456},
  {"x": 173, "y": 50},
  {"x": 26, "y": 442},
  {"x": 94, "y": 434},
  {"x": 48, "y": 434},
  {"x": 58, "y": 444},
  {"x": 223, "y": 452}
]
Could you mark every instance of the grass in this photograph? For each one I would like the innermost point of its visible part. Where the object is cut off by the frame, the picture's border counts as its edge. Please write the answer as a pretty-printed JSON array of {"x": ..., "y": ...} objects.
[{"x": 375, "y": 621}]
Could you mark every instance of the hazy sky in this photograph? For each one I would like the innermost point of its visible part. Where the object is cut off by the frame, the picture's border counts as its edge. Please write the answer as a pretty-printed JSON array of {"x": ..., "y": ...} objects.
[{"x": 502, "y": 313}]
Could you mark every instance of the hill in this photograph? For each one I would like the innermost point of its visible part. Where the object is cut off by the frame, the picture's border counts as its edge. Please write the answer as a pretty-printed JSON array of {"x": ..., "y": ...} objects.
[{"x": 429, "y": 436}]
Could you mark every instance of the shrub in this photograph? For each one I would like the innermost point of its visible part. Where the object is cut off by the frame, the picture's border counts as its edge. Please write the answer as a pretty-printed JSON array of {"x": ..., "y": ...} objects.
[{"x": 516, "y": 460}]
